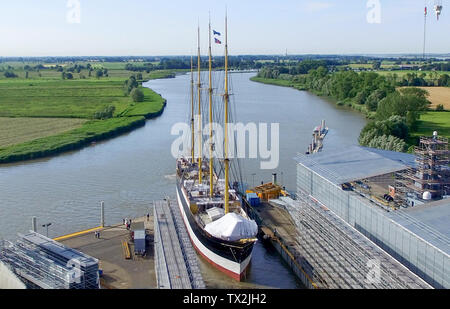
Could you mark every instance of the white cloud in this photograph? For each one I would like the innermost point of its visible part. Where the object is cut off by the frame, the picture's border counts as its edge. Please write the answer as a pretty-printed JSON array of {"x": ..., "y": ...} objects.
[{"x": 318, "y": 6}]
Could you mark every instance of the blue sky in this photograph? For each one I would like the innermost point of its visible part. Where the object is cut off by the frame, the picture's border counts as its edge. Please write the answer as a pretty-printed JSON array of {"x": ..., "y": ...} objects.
[{"x": 155, "y": 27}]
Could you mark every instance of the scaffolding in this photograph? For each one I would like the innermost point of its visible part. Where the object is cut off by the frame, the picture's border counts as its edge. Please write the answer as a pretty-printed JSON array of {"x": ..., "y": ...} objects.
[
  {"x": 175, "y": 259},
  {"x": 340, "y": 256},
  {"x": 430, "y": 179},
  {"x": 45, "y": 264}
]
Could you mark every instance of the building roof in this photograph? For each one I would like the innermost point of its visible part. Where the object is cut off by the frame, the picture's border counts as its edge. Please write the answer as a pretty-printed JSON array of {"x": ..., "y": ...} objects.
[
  {"x": 429, "y": 221},
  {"x": 355, "y": 162}
]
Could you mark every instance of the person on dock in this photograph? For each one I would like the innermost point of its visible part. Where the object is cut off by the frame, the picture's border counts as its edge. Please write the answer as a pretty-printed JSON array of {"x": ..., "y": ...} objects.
[{"x": 148, "y": 217}]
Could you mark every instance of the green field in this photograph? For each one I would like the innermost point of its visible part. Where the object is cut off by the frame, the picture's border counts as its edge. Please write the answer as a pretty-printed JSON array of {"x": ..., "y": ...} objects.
[
  {"x": 68, "y": 99},
  {"x": 434, "y": 121},
  {"x": 44, "y": 115},
  {"x": 20, "y": 130}
]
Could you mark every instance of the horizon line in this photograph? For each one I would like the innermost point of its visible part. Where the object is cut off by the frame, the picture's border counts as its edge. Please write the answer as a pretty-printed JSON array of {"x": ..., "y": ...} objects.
[{"x": 280, "y": 54}]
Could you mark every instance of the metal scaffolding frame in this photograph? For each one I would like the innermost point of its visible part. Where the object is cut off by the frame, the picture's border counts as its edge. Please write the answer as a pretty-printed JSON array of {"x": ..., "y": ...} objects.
[
  {"x": 340, "y": 256},
  {"x": 43, "y": 263},
  {"x": 189, "y": 254},
  {"x": 175, "y": 261},
  {"x": 432, "y": 173}
]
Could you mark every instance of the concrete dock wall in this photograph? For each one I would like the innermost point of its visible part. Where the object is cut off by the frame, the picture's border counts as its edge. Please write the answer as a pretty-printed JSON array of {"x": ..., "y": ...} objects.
[
  {"x": 300, "y": 274},
  {"x": 276, "y": 242}
]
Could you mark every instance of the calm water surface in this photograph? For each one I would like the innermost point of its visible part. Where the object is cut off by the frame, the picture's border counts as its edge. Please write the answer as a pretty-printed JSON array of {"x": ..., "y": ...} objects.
[{"x": 131, "y": 171}]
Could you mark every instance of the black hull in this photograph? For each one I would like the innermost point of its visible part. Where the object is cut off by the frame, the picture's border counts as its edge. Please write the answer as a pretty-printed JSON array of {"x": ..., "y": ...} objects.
[{"x": 236, "y": 254}]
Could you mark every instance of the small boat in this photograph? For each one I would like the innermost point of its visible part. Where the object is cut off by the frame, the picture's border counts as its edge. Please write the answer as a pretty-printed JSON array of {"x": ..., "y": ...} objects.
[{"x": 319, "y": 134}]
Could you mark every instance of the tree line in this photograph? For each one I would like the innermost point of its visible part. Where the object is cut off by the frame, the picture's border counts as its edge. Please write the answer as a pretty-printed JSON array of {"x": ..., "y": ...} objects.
[{"x": 395, "y": 112}]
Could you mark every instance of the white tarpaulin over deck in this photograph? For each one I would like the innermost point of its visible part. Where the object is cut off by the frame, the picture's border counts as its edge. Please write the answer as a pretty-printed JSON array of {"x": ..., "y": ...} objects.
[{"x": 232, "y": 227}]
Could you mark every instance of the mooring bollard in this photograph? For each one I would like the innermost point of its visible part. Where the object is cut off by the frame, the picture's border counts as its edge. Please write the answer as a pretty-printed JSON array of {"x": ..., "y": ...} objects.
[
  {"x": 33, "y": 224},
  {"x": 102, "y": 214}
]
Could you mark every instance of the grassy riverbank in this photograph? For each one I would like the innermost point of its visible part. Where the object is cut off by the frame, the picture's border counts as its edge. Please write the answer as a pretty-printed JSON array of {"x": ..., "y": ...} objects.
[
  {"x": 275, "y": 82},
  {"x": 44, "y": 116},
  {"x": 91, "y": 131}
]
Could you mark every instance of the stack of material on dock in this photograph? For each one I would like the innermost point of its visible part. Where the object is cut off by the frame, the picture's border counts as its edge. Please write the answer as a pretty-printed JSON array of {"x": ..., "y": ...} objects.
[
  {"x": 43, "y": 263},
  {"x": 267, "y": 191},
  {"x": 175, "y": 260}
]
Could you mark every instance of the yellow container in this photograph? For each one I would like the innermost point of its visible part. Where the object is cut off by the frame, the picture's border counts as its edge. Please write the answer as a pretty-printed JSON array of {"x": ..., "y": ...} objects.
[{"x": 194, "y": 208}]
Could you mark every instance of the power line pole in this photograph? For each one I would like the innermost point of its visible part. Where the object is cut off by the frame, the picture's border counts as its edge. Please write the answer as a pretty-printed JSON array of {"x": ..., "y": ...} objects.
[{"x": 424, "y": 31}]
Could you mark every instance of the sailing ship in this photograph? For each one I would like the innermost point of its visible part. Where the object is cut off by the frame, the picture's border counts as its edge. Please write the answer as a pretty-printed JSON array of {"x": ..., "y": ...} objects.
[{"x": 217, "y": 224}]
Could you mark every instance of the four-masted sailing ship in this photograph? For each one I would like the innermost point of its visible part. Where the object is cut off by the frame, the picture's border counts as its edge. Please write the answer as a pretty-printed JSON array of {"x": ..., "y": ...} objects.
[{"x": 218, "y": 226}]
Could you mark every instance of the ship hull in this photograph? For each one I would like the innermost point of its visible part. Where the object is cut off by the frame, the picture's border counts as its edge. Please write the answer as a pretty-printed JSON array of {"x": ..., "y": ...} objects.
[{"x": 225, "y": 257}]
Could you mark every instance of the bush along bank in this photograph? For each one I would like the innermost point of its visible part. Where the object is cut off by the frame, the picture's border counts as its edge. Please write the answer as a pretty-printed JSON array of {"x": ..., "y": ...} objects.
[{"x": 395, "y": 113}]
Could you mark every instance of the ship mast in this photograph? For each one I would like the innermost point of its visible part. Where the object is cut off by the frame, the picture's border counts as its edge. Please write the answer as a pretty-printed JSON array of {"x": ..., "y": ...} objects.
[
  {"x": 200, "y": 169},
  {"x": 211, "y": 177},
  {"x": 226, "y": 99},
  {"x": 192, "y": 114}
]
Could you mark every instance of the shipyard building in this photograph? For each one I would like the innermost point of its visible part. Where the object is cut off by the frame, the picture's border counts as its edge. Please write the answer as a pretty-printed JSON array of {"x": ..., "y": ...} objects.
[{"x": 399, "y": 201}]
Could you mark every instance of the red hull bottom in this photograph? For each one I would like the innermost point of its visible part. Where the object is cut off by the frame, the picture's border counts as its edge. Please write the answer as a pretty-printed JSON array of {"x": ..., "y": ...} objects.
[{"x": 235, "y": 276}]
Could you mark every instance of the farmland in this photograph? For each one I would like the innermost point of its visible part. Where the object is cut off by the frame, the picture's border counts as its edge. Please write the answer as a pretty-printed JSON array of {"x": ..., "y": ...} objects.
[
  {"x": 67, "y": 99},
  {"x": 45, "y": 114},
  {"x": 20, "y": 130},
  {"x": 438, "y": 96}
]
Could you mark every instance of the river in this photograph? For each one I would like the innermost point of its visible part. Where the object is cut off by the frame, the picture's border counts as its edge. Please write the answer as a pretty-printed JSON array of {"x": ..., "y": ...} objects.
[{"x": 131, "y": 171}]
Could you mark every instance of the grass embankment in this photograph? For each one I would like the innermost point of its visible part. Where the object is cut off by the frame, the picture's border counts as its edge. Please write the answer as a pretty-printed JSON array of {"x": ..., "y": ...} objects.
[
  {"x": 152, "y": 106},
  {"x": 43, "y": 117},
  {"x": 91, "y": 131},
  {"x": 277, "y": 82}
]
